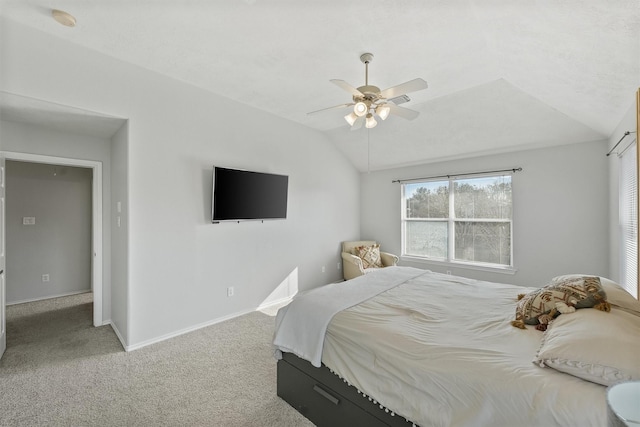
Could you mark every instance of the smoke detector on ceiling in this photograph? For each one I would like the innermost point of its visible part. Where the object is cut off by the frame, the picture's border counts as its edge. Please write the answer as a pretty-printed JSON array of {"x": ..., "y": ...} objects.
[{"x": 63, "y": 18}]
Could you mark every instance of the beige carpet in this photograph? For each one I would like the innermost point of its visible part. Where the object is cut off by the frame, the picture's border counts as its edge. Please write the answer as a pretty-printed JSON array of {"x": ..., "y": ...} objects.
[{"x": 59, "y": 370}]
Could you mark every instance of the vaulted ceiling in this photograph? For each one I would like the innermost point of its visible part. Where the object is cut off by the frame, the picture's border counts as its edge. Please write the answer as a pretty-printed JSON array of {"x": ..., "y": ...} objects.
[{"x": 503, "y": 74}]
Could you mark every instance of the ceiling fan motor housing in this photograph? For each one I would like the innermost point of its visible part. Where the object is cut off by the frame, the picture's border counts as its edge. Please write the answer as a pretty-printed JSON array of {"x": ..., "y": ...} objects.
[
  {"x": 371, "y": 95},
  {"x": 370, "y": 92}
]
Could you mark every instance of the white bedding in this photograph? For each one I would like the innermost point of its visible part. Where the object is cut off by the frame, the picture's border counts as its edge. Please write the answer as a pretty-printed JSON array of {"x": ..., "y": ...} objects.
[
  {"x": 314, "y": 309},
  {"x": 440, "y": 351}
]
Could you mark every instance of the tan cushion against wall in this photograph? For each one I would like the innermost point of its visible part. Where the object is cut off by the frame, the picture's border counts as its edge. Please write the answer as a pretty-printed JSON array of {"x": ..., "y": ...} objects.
[
  {"x": 350, "y": 247},
  {"x": 370, "y": 256}
]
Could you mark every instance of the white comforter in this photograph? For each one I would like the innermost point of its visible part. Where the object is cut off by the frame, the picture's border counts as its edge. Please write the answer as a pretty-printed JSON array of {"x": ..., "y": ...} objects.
[
  {"x": 440, "y": 351},
  {"x": 301, "y": 327}
]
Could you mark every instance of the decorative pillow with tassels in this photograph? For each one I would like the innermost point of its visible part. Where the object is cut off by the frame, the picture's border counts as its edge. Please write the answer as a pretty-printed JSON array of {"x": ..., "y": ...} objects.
[
  {"x": 543, "y": 305},
  {"x": 370, "y": 256}
]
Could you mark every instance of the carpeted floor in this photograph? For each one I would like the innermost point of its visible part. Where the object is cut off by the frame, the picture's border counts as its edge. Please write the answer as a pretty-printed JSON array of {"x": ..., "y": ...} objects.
[{"x": 59, "y": 370}]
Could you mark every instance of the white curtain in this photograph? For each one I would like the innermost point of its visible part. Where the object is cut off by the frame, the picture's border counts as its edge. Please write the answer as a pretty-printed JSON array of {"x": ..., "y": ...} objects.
[{"x": 629, "y": 220}]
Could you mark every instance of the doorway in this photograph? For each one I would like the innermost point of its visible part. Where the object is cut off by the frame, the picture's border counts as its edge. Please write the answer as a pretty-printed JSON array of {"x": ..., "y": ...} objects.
[{"x": 96, "y": 219}]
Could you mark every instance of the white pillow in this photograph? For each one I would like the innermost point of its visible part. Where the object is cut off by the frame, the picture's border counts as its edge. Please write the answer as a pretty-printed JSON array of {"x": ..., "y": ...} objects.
[
  {"x": 616, "y": 295},
  {"x": 593, "y": 345}
]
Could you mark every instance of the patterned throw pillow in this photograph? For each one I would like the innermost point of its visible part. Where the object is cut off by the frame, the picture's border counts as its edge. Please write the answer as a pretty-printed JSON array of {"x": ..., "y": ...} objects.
[
  {"x": 370, "y": 256},
  {"x": 539, "y": 306}
]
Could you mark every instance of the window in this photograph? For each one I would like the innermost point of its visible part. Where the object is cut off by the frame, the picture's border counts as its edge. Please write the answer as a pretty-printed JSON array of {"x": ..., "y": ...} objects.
[
  {"x": 628, "y": 195},
  {"x": 459, "y": 220}
]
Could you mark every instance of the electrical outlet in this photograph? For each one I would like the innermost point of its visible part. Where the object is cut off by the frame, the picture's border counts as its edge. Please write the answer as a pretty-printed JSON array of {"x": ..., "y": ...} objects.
[
  {"x": 45, "y": 277},
  {"x": 339, "y": 266},
  {"x": 29, "y": 220},
  {"x": 230, "y": 291},
  {"x": 323, "y": 269}
]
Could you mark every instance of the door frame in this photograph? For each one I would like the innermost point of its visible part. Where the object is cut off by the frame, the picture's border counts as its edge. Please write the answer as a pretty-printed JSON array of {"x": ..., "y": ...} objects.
[{"x": 96, "y": 220}]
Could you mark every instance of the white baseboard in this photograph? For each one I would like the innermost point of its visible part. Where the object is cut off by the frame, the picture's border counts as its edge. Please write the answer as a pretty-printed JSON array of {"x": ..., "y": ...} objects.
[
  {"x": 117, "y": 332},
  {"x": 48, "y": 297},
  {"x": 137, "y": 346}
]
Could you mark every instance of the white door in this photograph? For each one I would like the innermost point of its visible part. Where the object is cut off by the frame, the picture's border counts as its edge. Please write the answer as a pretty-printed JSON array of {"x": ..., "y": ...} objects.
[{"x": 3, "y": 328}]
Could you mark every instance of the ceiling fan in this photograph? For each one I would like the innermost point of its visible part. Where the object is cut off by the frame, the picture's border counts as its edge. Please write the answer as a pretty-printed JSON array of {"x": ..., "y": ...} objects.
[{"x": 369, "y": 101}]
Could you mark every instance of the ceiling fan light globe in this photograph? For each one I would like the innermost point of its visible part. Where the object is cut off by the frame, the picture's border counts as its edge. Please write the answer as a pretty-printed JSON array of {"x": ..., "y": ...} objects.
[
  {"x": 360, "y": 109},
  {"x": 351, "y": 118},
  {"x": 383, "y": 111},
  {"x": 370, "y": 122}
]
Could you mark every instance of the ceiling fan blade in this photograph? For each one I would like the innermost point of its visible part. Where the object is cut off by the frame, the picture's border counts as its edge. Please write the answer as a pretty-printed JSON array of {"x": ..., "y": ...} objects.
[
  {"x": 346, "y": 86},
  {"x": 358, "y": 123},
  {"x": 405, "y": 113},
  {"x": 331, "y": 108},
  {"x": 406, "y": 87}
]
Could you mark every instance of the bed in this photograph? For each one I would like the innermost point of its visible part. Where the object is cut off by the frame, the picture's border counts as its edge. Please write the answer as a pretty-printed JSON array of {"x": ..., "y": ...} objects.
[{"x": 405, "y": 346}]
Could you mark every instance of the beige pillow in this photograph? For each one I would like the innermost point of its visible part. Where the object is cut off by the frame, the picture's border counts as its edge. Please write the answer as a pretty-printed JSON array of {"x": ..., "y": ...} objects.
[
  {"x": 616, "y": 295},
  {"x": 593, "y": 345},
  {"x": 370, "y": 256}
]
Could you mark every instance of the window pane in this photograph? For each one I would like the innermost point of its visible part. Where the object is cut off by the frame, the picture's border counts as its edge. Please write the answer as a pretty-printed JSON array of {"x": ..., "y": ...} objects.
[
  {"x": 426, "y": 238},
  {"x": 487, "y": 197},
  {"x": 483, "y": 242},
  {"x": 427, "y": 199}
]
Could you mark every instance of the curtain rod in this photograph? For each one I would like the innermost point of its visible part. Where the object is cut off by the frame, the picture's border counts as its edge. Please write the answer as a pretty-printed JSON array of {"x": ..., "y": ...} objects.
[
  {"x": 400, "y": 181},
  {"x": 618, "y": 143}
]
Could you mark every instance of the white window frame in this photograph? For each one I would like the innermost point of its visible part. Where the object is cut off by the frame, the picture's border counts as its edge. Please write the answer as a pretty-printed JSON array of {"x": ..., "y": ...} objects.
[{"x": 451, "y": 220}]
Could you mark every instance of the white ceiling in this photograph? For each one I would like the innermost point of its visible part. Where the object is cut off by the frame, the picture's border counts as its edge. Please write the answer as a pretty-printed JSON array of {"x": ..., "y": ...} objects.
[{"x": 503, "y": 74}]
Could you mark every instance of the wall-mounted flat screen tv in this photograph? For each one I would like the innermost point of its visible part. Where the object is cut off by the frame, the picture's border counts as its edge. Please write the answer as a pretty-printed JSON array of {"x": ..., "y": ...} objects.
[{"x": 240, "y": 195}]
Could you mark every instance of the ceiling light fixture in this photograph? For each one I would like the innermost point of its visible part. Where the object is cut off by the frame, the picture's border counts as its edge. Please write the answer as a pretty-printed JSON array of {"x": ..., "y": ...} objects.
[
  {"x": 369, "y": 101},
  {"x": 351, "y": 118},
  {"x": 371, "y": 122},
  {"x": 63, "y": 18},
  {"x": 360, "y": 109},
  {"x": 383, "y": 111}
]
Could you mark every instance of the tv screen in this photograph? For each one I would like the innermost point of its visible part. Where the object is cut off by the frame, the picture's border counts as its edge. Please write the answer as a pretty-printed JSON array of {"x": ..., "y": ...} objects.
[{"x": 240, "y": 195}]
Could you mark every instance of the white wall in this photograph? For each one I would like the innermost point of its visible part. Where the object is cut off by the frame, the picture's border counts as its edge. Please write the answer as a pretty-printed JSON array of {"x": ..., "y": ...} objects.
[
  {"x": 179, "y": 264},
  {"x": 59, "y": 243},
  {"x": 560, "y": 210},
  {"x": 628, "y": 123},
  {"x": 120, "y": 234}
]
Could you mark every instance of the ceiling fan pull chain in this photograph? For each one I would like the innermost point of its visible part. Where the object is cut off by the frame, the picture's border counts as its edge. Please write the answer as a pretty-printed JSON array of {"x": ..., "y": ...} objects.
[{"x": 368, "y": 151}]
